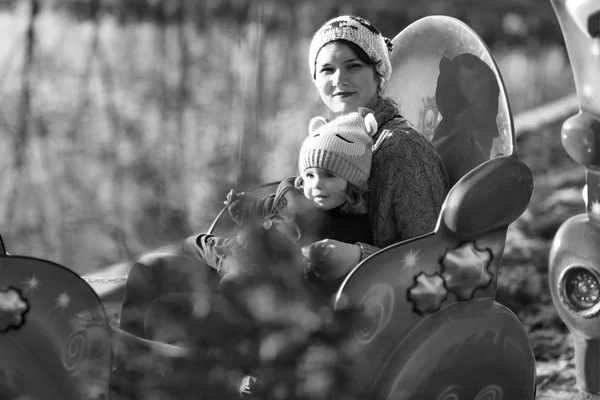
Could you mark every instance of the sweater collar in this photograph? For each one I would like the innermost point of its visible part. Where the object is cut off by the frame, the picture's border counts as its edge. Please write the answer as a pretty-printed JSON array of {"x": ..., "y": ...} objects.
[{"x": 385, "y": 110}]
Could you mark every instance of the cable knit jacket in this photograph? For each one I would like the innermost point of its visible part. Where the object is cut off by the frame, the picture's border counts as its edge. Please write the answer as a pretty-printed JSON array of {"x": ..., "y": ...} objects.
[{"x": 408, "y": 181}]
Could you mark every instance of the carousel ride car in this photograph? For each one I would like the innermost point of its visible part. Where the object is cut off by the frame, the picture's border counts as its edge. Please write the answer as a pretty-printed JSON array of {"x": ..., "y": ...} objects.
[{"x": 431, "y": 327}]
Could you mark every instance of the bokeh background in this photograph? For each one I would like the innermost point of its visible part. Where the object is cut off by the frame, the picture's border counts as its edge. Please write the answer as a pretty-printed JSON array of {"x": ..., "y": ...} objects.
[{"x": 125, "y": 122}]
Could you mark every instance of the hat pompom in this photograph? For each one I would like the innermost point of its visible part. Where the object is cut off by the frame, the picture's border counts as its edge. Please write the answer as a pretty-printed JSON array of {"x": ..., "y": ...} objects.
[
  {"x": 371, "y": 124},
  {"x": 316, "y": 123}
]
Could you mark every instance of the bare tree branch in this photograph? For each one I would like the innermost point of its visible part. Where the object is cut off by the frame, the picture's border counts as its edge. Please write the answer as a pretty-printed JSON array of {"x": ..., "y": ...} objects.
[{"x": 22, "y": 138}]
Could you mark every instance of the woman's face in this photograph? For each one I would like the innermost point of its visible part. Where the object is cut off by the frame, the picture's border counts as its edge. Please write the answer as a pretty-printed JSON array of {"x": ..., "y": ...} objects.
[
  {"x": 344, "y": 81},
  {"x": 324, "y": 188}
]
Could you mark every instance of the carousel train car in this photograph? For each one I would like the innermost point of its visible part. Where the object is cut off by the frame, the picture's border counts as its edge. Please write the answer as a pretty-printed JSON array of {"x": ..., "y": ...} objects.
[{"x": 429, "y": 301}]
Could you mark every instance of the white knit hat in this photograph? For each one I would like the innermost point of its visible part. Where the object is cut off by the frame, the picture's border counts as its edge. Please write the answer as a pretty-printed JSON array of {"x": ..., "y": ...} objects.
[
  {"x": 358, "y": 31},
  {"x": 342, "y": 146}
]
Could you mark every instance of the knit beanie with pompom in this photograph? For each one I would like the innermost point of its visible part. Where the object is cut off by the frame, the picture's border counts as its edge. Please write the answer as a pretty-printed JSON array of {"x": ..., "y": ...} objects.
[{"x": 356, "y": 30}]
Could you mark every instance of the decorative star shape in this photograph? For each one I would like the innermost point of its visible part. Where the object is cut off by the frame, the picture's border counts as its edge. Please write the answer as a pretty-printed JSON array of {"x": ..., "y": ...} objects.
[
  {"x": 32, "y": 283},
  {"x": 13, "y": 307},
  {"x": 410, "y": 259},
  {"x": 63, "y": 300},
  {"x": 595, "y": 208},
  {"x": 466, "y": 269},
  {"x": 428, "y": 293}
]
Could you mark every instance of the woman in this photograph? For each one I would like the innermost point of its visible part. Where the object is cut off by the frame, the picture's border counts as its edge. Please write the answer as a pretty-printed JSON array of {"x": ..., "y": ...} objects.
[{"x": 350, "y": 66}]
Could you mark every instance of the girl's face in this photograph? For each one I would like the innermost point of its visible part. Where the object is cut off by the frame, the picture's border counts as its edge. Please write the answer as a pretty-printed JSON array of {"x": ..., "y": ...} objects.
[
  {"x": 344, "y": 82},
  {"x": 324, "y": 188}
]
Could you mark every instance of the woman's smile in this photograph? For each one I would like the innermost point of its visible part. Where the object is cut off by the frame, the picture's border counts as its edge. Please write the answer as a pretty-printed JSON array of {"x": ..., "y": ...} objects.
[{"x": 344, "y": 94}]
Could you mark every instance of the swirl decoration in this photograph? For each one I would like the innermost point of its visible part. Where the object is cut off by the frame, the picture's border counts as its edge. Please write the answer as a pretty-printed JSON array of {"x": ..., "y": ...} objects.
[
  {"x": 377, "y": 307},
  {"x": 492, "y": 392},
  {"x": 450, "y": 393},
  {"x": 75, "y": 351}
]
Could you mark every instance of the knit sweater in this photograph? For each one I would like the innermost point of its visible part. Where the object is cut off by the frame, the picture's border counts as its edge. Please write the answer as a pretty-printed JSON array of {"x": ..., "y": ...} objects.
[{"x": 408, "y": 181}]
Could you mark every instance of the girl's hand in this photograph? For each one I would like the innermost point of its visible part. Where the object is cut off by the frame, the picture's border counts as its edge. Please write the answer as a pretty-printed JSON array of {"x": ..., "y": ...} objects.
[
  {"x": 232, "y": 197},
  {"x": 234, "y": 204},
  {"x": 331, "y": 259}
]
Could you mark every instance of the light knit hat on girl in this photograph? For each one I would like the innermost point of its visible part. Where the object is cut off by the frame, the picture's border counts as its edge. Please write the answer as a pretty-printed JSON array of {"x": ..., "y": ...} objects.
[
  {"x": 358, "y": 31},
  {"x": 342, "y": 146}
]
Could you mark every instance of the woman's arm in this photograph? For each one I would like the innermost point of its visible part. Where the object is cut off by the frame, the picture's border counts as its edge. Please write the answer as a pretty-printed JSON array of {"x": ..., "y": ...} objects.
[
  {"x": 418, "y": 199},
  {"x": 408, "y": 190}
]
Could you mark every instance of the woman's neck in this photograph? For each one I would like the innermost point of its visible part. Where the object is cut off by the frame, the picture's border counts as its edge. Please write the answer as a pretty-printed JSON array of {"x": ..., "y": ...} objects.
[{"x": 373, "y": 103}]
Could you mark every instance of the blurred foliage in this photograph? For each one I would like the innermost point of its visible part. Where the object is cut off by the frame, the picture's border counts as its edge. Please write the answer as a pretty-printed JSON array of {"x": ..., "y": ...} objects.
[
  {"x": 265, "y": 320},
  {"x": 126, "y": 122}
]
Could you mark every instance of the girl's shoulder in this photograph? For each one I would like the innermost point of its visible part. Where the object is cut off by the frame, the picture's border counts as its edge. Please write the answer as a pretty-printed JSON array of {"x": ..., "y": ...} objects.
[
  {"x": 287, "y": 184},
  {"x": 286, "y": 188}
]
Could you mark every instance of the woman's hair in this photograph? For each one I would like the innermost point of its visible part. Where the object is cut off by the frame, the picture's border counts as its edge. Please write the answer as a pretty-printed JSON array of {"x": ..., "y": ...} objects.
[
  {"x": 355, "y": 197},
  {"x": 364, "y": 57}
]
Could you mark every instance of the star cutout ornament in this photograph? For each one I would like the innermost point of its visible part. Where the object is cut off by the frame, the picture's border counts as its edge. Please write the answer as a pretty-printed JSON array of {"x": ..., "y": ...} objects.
[
  {"x": 63, "y": 300},
  {"x": 410, "y": 260},
  {"x": 428, "y": 293},
  {"x": 32, "y": 283},
  {"x": 466, "y": 270}
]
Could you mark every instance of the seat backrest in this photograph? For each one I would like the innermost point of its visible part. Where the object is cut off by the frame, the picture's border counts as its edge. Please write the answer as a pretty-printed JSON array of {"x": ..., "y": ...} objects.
[
  {"x": 54, "y": 333},
  {"x": 449, "y": 87}
]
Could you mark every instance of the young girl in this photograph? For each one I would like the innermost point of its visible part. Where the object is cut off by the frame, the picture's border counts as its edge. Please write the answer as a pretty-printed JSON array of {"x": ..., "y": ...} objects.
[{"x": 326, "y": 200}]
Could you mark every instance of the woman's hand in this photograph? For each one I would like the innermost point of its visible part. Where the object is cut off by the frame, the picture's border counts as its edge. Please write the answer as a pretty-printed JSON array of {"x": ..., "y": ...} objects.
[{"x": 331, "y": 259}]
